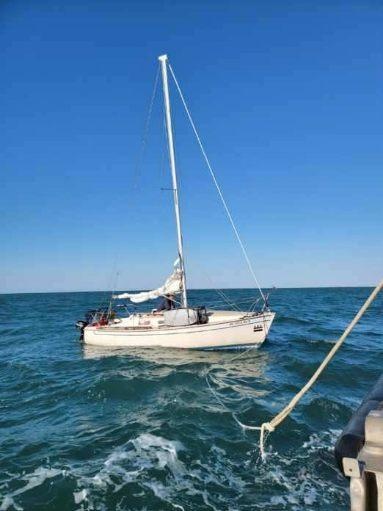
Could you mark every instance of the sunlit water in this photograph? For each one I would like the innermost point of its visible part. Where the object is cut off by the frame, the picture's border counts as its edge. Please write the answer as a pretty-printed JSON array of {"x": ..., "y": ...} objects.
[{"x": 90, "y": 429}]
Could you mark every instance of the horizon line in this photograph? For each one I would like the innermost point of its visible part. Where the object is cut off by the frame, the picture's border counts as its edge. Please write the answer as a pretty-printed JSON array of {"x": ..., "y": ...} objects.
[{"x": 190, "y": 289}]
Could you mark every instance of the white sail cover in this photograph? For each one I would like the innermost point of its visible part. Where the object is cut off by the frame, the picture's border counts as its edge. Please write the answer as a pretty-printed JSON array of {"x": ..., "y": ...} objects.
[{"x": 172, "y": 286}]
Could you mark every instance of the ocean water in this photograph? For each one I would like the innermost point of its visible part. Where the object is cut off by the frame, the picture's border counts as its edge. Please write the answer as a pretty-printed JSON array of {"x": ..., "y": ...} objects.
[{"x": 91, "y": 429}]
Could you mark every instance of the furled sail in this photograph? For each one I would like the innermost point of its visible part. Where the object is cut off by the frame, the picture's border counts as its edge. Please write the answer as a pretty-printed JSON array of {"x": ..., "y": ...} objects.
[{"x": 172, "y": 286}]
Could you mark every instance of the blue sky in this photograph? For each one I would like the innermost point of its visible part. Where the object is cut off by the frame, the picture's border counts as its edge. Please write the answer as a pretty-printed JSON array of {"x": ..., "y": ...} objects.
[{"x": 288, "y": 99}]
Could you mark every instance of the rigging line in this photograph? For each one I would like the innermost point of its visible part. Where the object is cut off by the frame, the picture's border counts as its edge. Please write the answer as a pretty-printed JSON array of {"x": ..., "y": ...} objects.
[
  {"x": 145, "y": 134},
  {"x": 216, "y": 183},
  {"x": 247, "y": 300},
  {"x": 227, "y": 300},
  {"x": 220, "y": 292},
  {"x": 114, "y": 286},
  {"x": 139, "y": 162}
]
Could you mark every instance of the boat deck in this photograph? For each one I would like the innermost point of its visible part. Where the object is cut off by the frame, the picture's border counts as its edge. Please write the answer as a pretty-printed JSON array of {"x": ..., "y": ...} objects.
[{"x": 150, "y": 321}]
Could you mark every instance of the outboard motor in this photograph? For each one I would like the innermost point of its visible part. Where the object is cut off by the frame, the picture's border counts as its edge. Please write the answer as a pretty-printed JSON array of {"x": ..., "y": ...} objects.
[
  {"x": 95, "y": 317},
  {"x": 81, "y": 324}
]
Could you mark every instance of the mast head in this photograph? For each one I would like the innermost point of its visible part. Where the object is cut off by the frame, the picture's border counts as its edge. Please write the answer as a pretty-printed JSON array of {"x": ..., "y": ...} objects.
[{"x": 163, "y": 58}]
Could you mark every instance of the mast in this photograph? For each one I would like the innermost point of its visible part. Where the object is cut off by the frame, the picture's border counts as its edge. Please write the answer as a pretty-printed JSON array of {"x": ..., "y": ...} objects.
[{"x": 163, "y": 60}]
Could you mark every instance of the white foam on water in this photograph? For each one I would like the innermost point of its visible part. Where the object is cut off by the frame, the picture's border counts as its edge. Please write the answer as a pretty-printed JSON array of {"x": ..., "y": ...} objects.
[
  {"x": 151, "y": 448},
  {"x": 131, "y": 463},
  {"x": 9, "y": 503},
  {"x": 216, "y": 481},
  {"x": 153, "y": 464},
  {"x": 324, "y": 440},
  {"x": 33, "y": 480},
  {"x": 296, "y": 481},
  {"x": 79, "y": 496}
]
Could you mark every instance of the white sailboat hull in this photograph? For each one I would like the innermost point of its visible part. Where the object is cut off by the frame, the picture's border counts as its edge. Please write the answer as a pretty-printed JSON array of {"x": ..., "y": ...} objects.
[
  {"x": 189, "y": 328},
  {"x": 225, "y": 330}
]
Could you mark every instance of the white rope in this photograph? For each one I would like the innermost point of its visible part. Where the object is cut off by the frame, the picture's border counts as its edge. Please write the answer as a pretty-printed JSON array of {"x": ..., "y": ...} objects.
[
  {"x": 268, "y": 427},
  {"x": 281, "y": 416},
  {"x": 144, "y": 138},
  {"x": 216, "y": 184}
]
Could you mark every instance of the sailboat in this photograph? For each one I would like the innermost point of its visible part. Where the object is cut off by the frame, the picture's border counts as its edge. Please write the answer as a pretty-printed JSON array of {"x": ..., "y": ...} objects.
[{"x": 181, "y": 326}]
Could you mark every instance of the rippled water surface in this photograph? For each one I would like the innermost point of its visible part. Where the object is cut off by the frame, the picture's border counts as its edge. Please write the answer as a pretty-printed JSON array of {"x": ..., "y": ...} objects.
[{"x": 90, "y": 429}]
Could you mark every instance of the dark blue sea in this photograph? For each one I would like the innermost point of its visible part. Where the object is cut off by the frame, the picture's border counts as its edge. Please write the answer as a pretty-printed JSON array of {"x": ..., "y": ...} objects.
[{"x": 91, "y": 429}]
